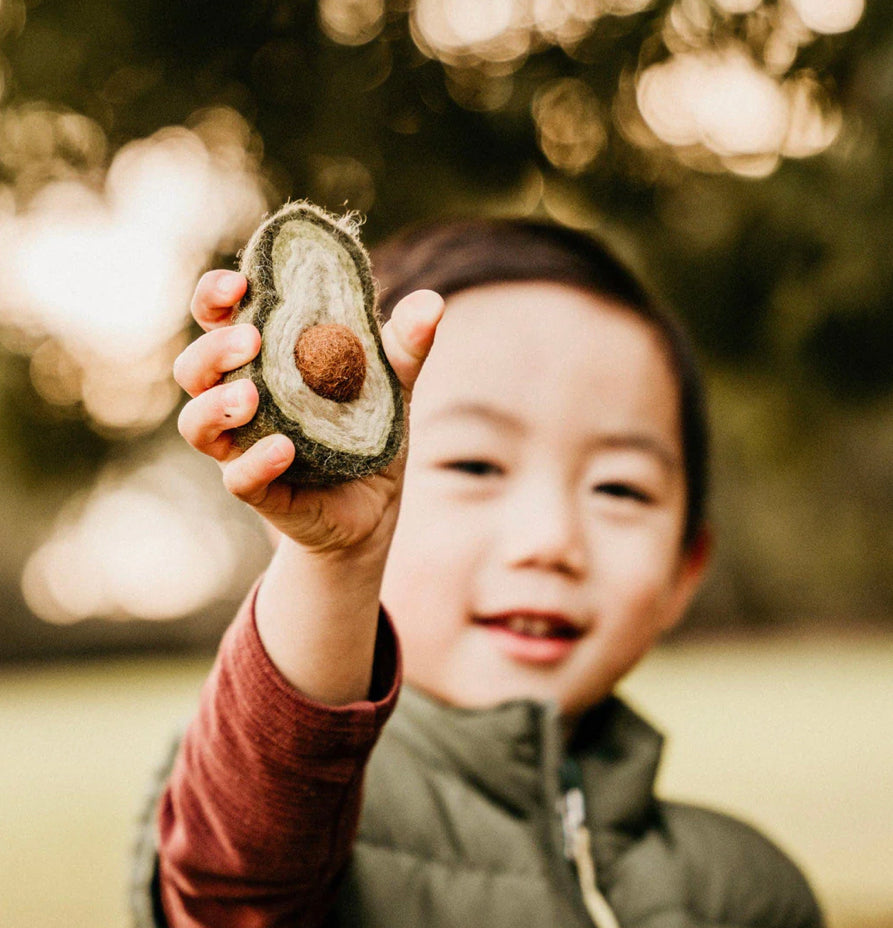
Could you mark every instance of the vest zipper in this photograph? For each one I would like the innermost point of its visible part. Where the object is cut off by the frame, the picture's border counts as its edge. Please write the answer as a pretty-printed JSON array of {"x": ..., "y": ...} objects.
[{"x": 578, "y": 845}]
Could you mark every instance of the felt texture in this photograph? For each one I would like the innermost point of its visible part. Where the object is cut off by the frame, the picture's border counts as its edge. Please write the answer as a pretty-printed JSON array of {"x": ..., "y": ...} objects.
[
  {"x": 305, "y": 269},
  {"x": 331, "y": 361}
]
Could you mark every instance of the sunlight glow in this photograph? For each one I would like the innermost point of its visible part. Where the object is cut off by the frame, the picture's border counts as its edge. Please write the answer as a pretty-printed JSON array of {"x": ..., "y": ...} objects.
[
  {"x": 105, "y": 273},
  {"x": 454, "y": 30},
  {"x": 723, "y": 103},
  {"x": 470, "y": 33},
  {"x": 724, "y": 99},
  {"x": 718, "y": 99},
  {"x": 341, "y": 179},
  {"x": 569, "y": 125},
  {"x": 138, "y": 545},
  {"x": 98, "y": 262},
  {"x": 351, "y": 22},
  {"x": 737, "y": 7},
  {"x": 471, "y": 22},
  {"x": 829, "y": 17},
  {"x": 814, "y": 122}
]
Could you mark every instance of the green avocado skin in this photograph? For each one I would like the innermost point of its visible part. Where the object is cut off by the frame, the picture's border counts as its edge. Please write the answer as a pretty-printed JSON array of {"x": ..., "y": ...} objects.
[{"x": 315, "y": 463}]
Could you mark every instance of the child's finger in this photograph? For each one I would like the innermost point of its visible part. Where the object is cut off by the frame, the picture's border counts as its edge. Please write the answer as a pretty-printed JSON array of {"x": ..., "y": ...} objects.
[
  {"x": 248, "y": 477},
  {"x": 215, "y": 295},
  {"x": 204, "y": 421},
  {"x": 201, "y": 364},
  {"x": 409, "y": 333}
]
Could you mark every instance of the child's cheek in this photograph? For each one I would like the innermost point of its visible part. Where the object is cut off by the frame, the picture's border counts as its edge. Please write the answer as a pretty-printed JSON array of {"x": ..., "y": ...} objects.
[
  {"x": 633, "y": 556},
  {"x": 427, "y": 560},
  {"x": 635, "y": 582}
]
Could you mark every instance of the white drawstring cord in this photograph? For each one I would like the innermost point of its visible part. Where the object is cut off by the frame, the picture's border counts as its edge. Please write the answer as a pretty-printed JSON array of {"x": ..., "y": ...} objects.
[
  {"x": 596, "y": 905},
  {"x": 578, "y": 848}
]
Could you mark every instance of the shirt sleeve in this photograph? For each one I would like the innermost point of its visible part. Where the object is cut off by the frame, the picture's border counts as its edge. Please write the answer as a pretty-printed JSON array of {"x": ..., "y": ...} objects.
[{"x": 259, "y": 815}]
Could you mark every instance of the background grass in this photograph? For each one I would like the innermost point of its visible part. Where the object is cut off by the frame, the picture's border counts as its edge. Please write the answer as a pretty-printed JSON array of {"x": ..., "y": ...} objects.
[{"x": 795, "y": 736}]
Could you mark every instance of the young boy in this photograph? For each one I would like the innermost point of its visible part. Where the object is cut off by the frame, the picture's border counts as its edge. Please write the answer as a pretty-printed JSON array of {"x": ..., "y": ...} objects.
[{"x": 550, "y": 529}]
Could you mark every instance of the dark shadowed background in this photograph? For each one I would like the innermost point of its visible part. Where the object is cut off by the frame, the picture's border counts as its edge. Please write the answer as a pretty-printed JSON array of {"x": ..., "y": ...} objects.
[{"x": 739, "y": 152}]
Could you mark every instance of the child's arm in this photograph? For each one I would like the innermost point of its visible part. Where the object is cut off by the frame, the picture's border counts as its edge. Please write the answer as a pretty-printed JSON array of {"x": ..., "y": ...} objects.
[
  {"x": 258, "y": 816},
  {"x": 318, "y": 605}
]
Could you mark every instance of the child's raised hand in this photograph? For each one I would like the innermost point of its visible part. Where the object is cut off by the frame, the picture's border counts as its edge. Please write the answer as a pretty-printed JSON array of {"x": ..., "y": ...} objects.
[{"x": 321, "y": 519}]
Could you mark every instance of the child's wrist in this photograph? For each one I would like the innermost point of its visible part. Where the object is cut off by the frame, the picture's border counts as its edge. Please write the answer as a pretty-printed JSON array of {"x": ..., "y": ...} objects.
[
  {"x": 317, "y": 618},
  {"x": 360, "y": 565}
]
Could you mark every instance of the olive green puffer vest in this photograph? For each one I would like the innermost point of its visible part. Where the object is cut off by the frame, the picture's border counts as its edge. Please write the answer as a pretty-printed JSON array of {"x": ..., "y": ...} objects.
[{"x": 480, "y": 819}]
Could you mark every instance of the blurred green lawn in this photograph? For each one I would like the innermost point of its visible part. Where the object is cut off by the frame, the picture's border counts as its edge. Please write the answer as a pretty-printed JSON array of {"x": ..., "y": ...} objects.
[{"x": 795, "y": 736}]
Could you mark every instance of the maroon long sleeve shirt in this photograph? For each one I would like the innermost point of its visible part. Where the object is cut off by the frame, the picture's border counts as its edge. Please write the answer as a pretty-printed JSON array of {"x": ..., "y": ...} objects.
[{"x": 259, "y": 815}]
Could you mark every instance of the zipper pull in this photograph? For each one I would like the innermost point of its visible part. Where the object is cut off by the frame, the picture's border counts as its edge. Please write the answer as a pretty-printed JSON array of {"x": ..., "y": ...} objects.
[
  {"x": 571, "y": 805},
  {"x": 573, "y": 818},
  {"x": 578, "y": 845}
]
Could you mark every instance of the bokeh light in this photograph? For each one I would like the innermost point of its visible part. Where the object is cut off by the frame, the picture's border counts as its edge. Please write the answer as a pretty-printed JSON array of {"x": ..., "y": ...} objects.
[
  {"x": 737, "y": 7},
  {"x": 722, "y": 102},
  {"x": 138, "y": 545},
  {"x": 732, "y": 99},
  {"x": 351, "y": 22},
  {"x": 569, "y": 126},
  {"x": 719, "y": 91},
  {"x": 829, "y": 16},
  {"x": 814, "y": 121},
  {"x": 469, "y": 33},
  {"x": 464, "y": 31},
  {"x": 337, "y": 181},
  {"x": 719, "y": 99},
  {"x": 99, "y": 261},
  {"x": 40, "y": 144},
  {"x": 98, "y": 271}
]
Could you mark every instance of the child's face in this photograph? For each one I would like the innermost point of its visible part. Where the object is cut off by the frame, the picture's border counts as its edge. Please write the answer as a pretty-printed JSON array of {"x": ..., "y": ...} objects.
[{"x": 538, "y": 551}]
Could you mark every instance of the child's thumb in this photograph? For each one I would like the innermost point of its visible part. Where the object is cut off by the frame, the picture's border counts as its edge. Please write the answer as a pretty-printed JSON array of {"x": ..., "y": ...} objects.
[{"x": 408, "y": 335}]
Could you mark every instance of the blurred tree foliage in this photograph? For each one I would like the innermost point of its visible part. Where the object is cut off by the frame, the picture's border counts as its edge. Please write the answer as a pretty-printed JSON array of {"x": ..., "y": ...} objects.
[{"x": 786, "y": 280}]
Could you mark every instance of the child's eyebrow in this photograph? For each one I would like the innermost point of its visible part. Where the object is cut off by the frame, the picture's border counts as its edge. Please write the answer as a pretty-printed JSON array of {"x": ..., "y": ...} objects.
[
  {"x": 620, "y": 441},
  {"x": 472, "y": 409},
  {"x": 647, "y": 444}
]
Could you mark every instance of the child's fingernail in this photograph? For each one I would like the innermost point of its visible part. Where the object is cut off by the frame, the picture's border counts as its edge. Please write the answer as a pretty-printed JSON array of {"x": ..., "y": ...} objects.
[
  {"x": 428, "y": 305},
  {"x": 277, "y": 453},
  {"x": 232, "y": 397},
  {"x": 226, "y": 285},
  {"x": 241, "y": 340}
]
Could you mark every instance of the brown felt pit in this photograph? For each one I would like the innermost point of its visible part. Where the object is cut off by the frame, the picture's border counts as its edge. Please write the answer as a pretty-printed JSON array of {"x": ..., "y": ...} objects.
[{"x": 331, "y": 361}]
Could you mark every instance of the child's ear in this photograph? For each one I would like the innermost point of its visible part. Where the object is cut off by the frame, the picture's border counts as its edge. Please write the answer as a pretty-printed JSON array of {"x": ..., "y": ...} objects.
[{"x": 692, "y": 566}]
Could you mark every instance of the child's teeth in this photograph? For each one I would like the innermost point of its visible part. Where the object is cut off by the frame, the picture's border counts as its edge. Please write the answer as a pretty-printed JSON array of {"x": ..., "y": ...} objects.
[
  {"x": 539, "y": 628},
  {"x": 529, "y": 625}
]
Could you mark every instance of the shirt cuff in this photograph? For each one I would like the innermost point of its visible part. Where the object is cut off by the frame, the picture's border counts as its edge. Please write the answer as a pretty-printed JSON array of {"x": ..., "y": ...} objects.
[{"x": 287, "y": 723}]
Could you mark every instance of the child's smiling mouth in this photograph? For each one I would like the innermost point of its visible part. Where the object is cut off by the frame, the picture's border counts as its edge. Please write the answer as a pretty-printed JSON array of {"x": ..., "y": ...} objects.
[{"x": 532, "y": 637}]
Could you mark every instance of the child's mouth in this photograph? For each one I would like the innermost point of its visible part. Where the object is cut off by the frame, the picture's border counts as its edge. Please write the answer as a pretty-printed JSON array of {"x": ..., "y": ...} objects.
[{"x": 538, "y": 638}]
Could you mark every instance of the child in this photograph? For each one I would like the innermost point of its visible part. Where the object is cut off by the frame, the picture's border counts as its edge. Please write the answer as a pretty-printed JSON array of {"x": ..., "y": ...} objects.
[{"x": 550, "y": 529}]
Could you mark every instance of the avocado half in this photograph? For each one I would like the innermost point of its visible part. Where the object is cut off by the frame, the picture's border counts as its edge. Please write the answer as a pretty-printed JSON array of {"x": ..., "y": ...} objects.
[{"x": 321, "y": 373}]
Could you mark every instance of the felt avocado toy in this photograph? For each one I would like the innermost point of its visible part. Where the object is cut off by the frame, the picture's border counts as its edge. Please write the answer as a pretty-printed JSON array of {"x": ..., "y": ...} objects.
[{"x": 321, "y": 373}]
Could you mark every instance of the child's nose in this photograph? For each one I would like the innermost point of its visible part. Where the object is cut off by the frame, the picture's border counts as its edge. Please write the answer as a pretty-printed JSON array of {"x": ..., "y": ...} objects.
[{"x": 543, "y": 530}]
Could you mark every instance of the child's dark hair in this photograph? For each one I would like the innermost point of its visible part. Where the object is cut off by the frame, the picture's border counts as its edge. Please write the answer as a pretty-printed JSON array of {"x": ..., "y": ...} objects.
[{"x": 453, "y": 255}]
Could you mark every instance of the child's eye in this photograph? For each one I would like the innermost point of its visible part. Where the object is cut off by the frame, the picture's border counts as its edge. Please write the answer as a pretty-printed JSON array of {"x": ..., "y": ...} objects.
[
  {"x": 620, "y": 490},
  {"x": 474, "y": 468}
]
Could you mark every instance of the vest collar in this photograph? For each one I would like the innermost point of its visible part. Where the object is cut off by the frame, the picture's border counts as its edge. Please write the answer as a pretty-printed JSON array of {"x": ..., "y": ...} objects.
[{"x": 513, "y": 752}]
